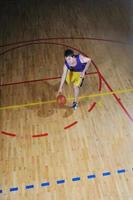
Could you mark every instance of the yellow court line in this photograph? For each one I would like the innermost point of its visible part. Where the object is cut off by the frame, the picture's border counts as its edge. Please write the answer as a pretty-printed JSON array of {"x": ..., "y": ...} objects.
[
  {"x": 53, "y": 101},
  {"x": 108, "y": 93}
]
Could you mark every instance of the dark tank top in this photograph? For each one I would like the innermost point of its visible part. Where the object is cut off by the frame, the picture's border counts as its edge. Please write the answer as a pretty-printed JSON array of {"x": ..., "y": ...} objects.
[{"x": 79, "y": 66}]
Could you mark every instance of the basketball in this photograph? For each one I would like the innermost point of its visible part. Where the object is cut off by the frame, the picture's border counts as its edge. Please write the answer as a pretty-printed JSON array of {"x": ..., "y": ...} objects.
[{"x": 61, "y": 100}]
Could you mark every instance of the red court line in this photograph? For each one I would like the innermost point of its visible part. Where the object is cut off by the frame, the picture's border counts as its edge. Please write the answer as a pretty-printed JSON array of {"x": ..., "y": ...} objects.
[
  {"x": 66, "y": 38},
  {"x": 30, "y": 81},
  {"x": 92, "y": 106},
  {"x": 100, "y": 83},
  {"x": 40, "y": 135},
  {"x": 70, "y": 125},
  {"x": 115, "y": 96},
  {"x": 109, "y": 87},
  {"x": 37, "y": 80},
  {"x": 67, "y": 46},
  {"x": 9, "y": 134}
]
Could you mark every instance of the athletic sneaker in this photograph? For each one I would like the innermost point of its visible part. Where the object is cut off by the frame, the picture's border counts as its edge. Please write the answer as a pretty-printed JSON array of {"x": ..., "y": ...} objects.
[{"x": 75, "y": 105}]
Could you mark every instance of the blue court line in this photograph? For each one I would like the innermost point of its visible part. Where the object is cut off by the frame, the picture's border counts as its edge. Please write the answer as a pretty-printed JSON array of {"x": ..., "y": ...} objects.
[
  {"x": 106, "y": 173},
  {"x": 92, "y": 176},
  {"x": 76, "y": 179},
  {"x": 45, "y": 184},
  {"x": 60, "y": 181},
  {"x": 120, "y": 171},
  {"x": 13, "y": 189},
  {"x": 27, "y": 187}
]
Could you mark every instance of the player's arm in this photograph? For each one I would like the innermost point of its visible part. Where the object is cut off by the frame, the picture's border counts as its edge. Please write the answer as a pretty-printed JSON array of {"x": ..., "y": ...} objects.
[
  {"x": 63, "y": 77},
  {"x": 86, "y": 60}
]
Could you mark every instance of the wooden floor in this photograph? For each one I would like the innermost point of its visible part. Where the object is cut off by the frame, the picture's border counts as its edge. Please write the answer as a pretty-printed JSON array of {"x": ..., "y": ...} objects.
[{"x": 53, "y": 153}]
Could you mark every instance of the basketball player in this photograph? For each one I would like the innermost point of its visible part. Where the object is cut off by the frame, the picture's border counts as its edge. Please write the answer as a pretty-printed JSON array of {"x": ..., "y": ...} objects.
[{"x": 74, "y": 70}]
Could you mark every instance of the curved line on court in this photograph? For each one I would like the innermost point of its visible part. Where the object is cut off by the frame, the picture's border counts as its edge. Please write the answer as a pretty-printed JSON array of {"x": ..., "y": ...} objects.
[
  {"x": 24, "y": 45},
  {"x": 8, "y": 134},
  {"x": 115, "y": 96},
  {"x": 109, "y": 87},
  {"x": 40, "y": 135},
  {"x": 70, "y": 125},
  {"x": 92, "y": 106},
  {"x": 67, "y": 38},
  {"x": 96, "y": 67}
]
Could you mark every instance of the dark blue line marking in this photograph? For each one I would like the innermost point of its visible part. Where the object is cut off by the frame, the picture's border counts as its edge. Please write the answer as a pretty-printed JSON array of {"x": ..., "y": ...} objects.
[
  {"x": 1, "y": 191},
  {"x": 27, "y": 187},
  {"x": 60, "y": 181},
  {"x": 121, "y": 171},
  {"x": 13, "y": 189},
  {"x": 45, "y": 184},
  {"x": 91, "y": 176},
  {"x": 76, "y": 179},
  {"x": 106, "y": 173}
]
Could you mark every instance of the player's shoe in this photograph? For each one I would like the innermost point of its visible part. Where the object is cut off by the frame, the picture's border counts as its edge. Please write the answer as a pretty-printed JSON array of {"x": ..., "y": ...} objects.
[{"x": 75, "y": 105}]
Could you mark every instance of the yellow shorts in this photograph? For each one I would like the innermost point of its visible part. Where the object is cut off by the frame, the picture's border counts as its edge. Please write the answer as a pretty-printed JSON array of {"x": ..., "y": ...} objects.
[{"x": 73, "y": 77}]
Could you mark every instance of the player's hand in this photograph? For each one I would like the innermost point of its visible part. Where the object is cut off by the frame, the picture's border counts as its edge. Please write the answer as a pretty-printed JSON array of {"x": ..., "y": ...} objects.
[{"x": 82, "y": 75}]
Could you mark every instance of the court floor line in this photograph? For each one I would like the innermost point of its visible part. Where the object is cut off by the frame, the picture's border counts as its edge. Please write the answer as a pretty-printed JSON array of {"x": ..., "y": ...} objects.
[
  {"x": 96, "y": 67},
  {"x": 38, "y": 80},
  {"x": 122, "y": 91},
  {"x": 66, "y": 38},
  {"x": 89, "y": 177},
  {"x": 92, "y": 106}
]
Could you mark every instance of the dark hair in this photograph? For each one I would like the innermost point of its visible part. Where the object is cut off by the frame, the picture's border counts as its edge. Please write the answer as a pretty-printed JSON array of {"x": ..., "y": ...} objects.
[{"x": 68, "y": 52}]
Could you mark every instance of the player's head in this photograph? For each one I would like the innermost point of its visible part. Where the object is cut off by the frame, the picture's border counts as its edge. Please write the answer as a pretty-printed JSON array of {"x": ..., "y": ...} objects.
[
  {"x": 68, "y": 52},
  {"x": 69, "y": 56}
]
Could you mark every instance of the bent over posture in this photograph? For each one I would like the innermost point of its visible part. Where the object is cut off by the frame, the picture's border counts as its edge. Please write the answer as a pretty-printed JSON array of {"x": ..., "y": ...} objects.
[{"x": 74, "y": 70}]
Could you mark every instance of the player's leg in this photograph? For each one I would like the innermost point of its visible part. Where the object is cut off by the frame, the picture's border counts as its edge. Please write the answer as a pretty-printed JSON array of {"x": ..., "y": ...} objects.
[
  {"x": 76, "y": 94},
  {"x": 76, "y": 88}
]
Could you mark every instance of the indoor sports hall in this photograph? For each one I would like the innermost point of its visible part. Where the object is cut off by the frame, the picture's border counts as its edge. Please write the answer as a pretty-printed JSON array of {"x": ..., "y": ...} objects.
[{"x": 53, "y": 152}]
